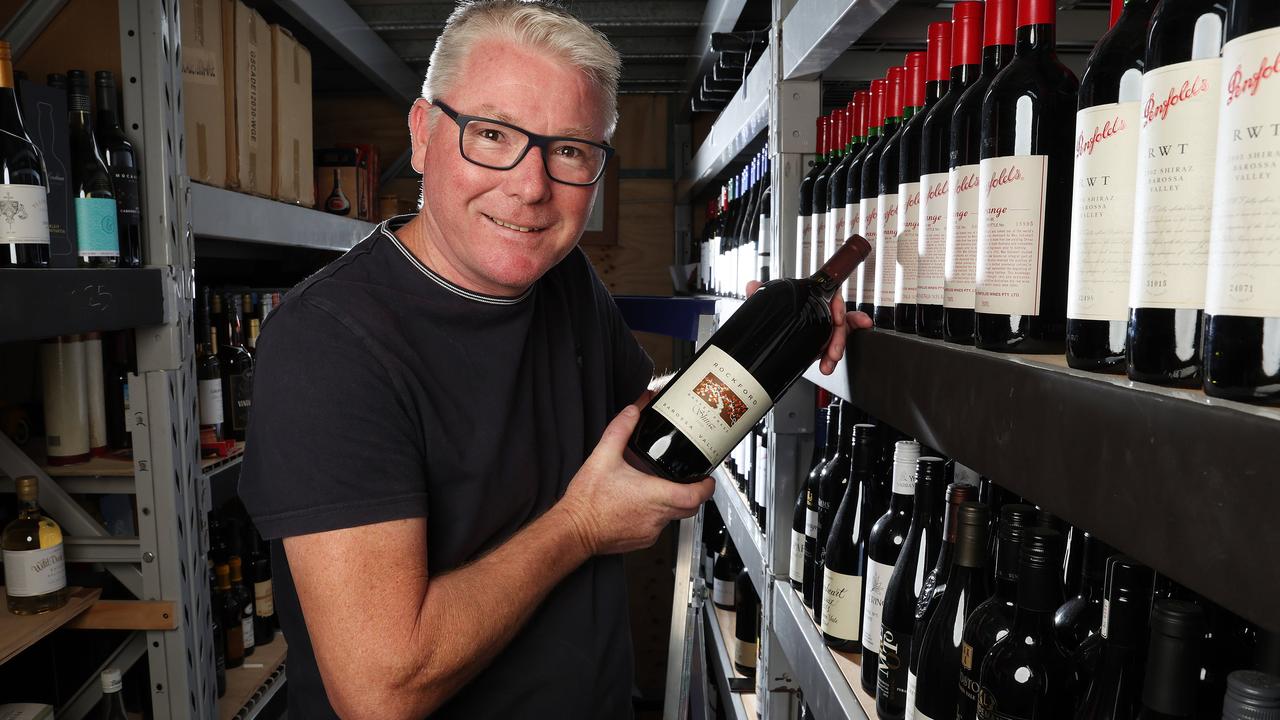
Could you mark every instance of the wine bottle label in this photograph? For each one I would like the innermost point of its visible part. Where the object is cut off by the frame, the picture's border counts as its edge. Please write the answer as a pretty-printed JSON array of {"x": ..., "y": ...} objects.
[
  {"x": 24, "y": 215},
  {"x": 930, "y": 275},
  {"x": 803, "y": 243},
  {"x": 241, "y": 389},
  {"x": 66, "y": 404},
  {"x": 812, "y": 520},
  {"x": 95, "y": 392},
  {"x": 904, "y": 478},
  {"x": 715, "y": 402},
  {"x": 1173, "y": 207},
  {"x": 878, "y": 575},
  {"x": 96, "y": 231},
  {"x": 911, "y": 713},
  {"x": 1243, "y": 257},
  {"x": 904, "y": 282},
  {"x": 817, "y": 238},
  {"x": 886, "y": 248},
  {"x": 1106, "y": 179},
  {"x": 869, "y": 219},
  {"x": 835, "y": 231},
  {"x": 852, "y": 226},
  {"x": 210, "y": 401},
  {"x": 841, "y": 604},
  {"x": 891, "y": 671},
  {"x": 723, "y": 593},
  {"x": 796, "y": 570},
  {"x": 1011, "y": 203},
  {"x": 917, "y": 715},
  {"x": 960, "y": 264},
  {"x": 28, "y": 573},
  {"x": 246, "y": 626},
  {"x": 264, "y": 602},
  {"x": 744, "y": 653}
]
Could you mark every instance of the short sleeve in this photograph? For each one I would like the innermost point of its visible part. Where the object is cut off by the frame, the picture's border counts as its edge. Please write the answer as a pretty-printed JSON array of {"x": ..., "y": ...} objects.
[
  {"x": 331, "y": 443},
  {"x": 632, "y": 366}
]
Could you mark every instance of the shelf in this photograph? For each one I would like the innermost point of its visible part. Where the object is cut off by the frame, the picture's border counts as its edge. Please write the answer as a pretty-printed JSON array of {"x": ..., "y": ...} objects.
[
  {"x": 45, "y": 303},
  {"x": 223, "y": 475},
  {"x": 1182, "y": 482},
  {"x": 109, "y": 466},
  {"x": 719, "y": 623},
  {"x": 675, "y": 317},
  {"x": 252, "y": 685},
  {"x": 741, "y": 523},
  {"x": 214, "y": 465},
  {"x": 226, "y": 215},
  {"x": 19, "y": 632},
  {"x": 738, "y": 125},
  {"x": 817, "y": 32},
  {"x": 831, "y": 681}
]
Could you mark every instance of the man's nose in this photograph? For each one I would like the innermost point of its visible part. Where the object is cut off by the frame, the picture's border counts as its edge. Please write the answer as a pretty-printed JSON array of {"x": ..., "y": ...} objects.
[{"x": 528, "y": 180}]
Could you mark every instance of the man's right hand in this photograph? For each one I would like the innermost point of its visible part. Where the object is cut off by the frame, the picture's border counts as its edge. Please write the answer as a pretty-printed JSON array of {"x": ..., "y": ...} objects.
[{"x": 615, "y": 508}]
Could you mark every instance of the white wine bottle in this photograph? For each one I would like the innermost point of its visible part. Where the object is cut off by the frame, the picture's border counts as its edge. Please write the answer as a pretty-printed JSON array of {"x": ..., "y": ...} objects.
[
  {"x": 24, "y": 187},
  {"x": 35, "y": 575}
]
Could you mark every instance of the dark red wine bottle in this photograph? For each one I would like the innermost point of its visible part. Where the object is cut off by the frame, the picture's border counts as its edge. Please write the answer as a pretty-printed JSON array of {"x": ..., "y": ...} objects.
[
  {"x": 1181, "y": 92},
  {"x": 746, "y": 624},
  {"x": 886, "y": 189},
  {"x": 868, "y": 190},
  {"x": 963, "y": 156},
  {"x": 1242, "y": 304},
  {"x": 962, "y": 69},
  {"x": 1024, "y": 204},
  {"x": 861, "y": 109},
  {"x": 831, "y": 489},
  {"x": 1115, "y": 689},
  {"x": 1173, "y": 664},
  {"x": 922, "y": 92},
  {"x": 724, "y": 575},
  {"x": 799, "y": 520},
  {"x": 755, "y": 356},
  {"x": 1106, "y": 180},
  {"x": 818, "y": 250},
  {"x": 804, "y": 226},
  {"x": 809, "y": 579},
  {"x": 1080, "y": 617},
  {"x": 844, "y": 560}
]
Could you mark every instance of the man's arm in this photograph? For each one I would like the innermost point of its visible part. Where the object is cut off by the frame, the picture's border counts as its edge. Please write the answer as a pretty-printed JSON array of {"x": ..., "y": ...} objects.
[{"x": 392, "y": 641}]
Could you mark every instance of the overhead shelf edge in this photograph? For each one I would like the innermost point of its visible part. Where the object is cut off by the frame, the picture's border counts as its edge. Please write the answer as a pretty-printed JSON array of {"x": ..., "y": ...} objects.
[
  {"x": 816, "y": 32},
  {"x": 739, "y": 124},
  {"x": 227, "y": 215}
]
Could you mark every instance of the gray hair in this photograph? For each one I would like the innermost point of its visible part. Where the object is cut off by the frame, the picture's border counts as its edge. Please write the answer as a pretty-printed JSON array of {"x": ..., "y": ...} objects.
[{"x": 536, "y": 24}]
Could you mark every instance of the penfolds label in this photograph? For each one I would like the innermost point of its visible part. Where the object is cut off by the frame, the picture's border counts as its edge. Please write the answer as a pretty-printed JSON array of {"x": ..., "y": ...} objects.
[
  {"x": 714, "y": 403},
  {"x": 1011, "y": 203},
  {"x": 932, "y": 251},
  {"x": 835, "y": 231},
  {"x": 803, "y": 243},
  {"x": 817, "y": 236},
  {"x": 1106, "y": 178},
  {"x": 960, "y": 261},
  {"x": 1244, "y": 256},
  {"x": 852, "y": 226},
  {"x": 886, "y": 249},
  {"x": 869, "y": 220},
  {"x": 904, "y": 283},
  {"x": 1174, "y": 193}
]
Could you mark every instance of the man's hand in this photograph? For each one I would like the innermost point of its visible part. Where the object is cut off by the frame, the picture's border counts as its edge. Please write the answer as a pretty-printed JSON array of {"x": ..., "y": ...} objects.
[
  {"x": 843, "y": 318},
  {"x": 615, "y": 508}
]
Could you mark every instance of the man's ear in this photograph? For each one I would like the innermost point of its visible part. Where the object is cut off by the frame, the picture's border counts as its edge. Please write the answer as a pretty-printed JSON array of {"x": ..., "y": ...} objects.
[{"x": 419, "y": 133}]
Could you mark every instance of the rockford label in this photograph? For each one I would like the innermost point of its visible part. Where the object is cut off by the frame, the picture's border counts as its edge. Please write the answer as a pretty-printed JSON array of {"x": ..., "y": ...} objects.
[{"x": 715, "y": 402}]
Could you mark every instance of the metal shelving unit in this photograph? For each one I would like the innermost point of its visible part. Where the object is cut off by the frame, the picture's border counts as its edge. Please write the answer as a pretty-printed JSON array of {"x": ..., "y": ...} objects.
[
  {"x": 743, "y": 531},
  {"x": 52, "y": 302},
  {"x": 219, "y": 214}
]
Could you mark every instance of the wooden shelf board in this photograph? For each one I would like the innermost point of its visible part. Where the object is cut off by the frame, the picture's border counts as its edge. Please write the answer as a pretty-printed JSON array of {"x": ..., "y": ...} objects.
[
  {"x": 213, "y": 464},
  {"x": 114, "y": 465},
  {"x": 19, "y": 632},
  {"x": 245, "y": 682}
]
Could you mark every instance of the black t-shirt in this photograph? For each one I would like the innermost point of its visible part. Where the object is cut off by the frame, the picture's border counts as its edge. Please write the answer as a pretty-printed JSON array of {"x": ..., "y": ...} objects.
[{"x": 383, "y": 392}]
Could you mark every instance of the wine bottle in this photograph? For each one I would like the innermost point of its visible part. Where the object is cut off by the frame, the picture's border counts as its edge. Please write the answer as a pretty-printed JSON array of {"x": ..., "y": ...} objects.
[
  {"x": 63, "y": 370},
  {"x": 264, "y": 601},
  {"x": 853, "y": 182},
  {"x": 937, "y": 659},
  {"x": 934, "y": 586},
  {"x": 236, "y": 370},
  {"x": 901, "y": 594},
  {"x": 832, "y": 481},
  {"x": 1173, "y": 667},
  {"x": 835, "y": 224},
  {"x": 1027, "y": 675},
  {"x": 804, "y": 228},
  {"x": 958, "y": 71},
  {"x": 208, "y": 379},
  {"x": 836, "y": 127},
  {"x": 735, "y": 378},
  {"x": 229, "y": 609},
  {"x": 922, "y": 92},
  {"x": 1080, "y": 617},
  {"x": 111, "y": 705},
  {"x": 337, "y": 201},
  {"x": 97, "y": 236},
  {"x": 810, "y": 495},
  {"x": 746, "y": 625},
  {"x": 765, "y": 227},
  {"x": 992, "y": 619},
  {"x": 35, "y": 574},
  {"x": 724, "y": 575},
  {"x": 887, "y": 200},
  {"x": 1242, "y": 309},
  {"x": 243, "y": 596},
  {"x": 1024, "y": 205},
  {"x": 1106, "y": 181},
  {"x": 24, "y": 187},
  {"x": 963, "y": 165},
  {"x": 869, "y": 189},
  {"x": 1115, "y": 688},
  {"x": 219, "y": 634},
  {"x": 1181, "y": 89},
  {"x": 799, "y": 519},
  {"x": 843, "y": 565},
  {"x": 1251, "y": 695},
  {"x": 122, "y": 163},
  {"x": 883, "y": 548}
]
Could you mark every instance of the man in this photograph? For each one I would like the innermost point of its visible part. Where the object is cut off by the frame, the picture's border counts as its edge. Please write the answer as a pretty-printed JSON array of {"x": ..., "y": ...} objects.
[{"x": 426, "y": 406}]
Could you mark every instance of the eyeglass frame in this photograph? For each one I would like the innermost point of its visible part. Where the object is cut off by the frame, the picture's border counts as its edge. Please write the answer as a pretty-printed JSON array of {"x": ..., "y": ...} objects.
[{"x": 542, "y": 142}]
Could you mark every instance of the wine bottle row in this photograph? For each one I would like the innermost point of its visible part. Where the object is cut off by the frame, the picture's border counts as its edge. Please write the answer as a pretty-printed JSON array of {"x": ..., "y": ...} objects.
[
  {"x": 240, "y": 589},
  {"x": 732, "y": 590},
  {"x": 227, "y": 327}
]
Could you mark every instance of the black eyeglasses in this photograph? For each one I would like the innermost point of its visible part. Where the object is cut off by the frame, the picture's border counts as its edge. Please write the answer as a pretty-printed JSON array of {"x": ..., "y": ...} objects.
[{"x": 501, "y": 146}]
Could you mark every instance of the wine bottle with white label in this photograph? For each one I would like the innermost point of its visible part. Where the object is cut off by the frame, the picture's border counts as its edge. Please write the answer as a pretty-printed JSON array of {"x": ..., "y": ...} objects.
[
  {"x": 887, "y": 200},
  {"x": 818, "y": 248},
  {"x": 923, "y": 89},
  {"x": 850, "y": 145},
  {"x": 24, "y": 187},
  {"x": 1181, "y": 89},
  {"x": 810, "y": 493},
  {"x": 868, "y": 189},
  {"x": 97, "y": 235},
  {"x": 852, "y": 184},
  {"x": 35, "y": 573},
  {"x": 1024, "y": 200},
  {"x": 724, "y": 574},
  {"x": 804, "y": 221},
  {"x": 746, "y": 625},
  {"x": 832, "y": 482},
  {"x": 1242, "y": 301},
  {"x": 844, "y": 561},
  {"x": 822, "y": 451},
  {"x": 961, "y": 252},
  {"x": 1115, "y": 690},
  {"x": 735, "y": 378}
]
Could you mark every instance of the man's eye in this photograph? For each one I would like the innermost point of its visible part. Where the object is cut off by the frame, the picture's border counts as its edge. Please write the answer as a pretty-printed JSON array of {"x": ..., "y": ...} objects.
[
  {"x": 569, "y": 152},
  {"x": 491, "y": 134}
]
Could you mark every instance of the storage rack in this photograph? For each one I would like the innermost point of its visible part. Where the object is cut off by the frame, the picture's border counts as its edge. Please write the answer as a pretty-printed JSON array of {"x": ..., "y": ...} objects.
[
  {"x": 1180, "y": 481},
  {"x": 164, "y": 567}
]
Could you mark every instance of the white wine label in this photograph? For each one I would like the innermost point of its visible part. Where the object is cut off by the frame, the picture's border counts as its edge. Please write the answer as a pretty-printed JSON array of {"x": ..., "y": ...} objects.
[
  {"x": 24, "y": 215},
  {"x": 904, "y": 282},
  {"x": 960, "y": 263},
  {"x": 96, "y": 234},
  {"x": 932, "y": 250},
  {"x": 1106, "y": 180},
  {"x": 210, "y": 401},
  {"x": 246, "y": 626},
  {"x": 1173, "y": 206},
  {"x": 886, "y": 248},
  {"x": 715, "y": 402},
  {"x": 811, "y": 523},
  {"x": 95, "y": 391},
  {"x": 66, "y": 404},
  {"x": 852, "y": 226},
  {"x": 34, "y": 572},
  {"x": 904, "y": 478},
  {"x": 1106, "y": 617},
  {"x": 796, "y": 570},
  {"x": 744, "y": 653},
  {"x": 911, "y": 697},
  {"x": 835, "y": 232},
  {"x": 723, "y": 593},
  {"x": 869, "y": 219},
  {"x": 878, "y": 575},
  {"x": 841, "y": 604},
  {"x": 817, "y": 241},
  {"x": 1011, "y": 204},
  {"x": 1244, "y": 252},
  {"x": 803, "y": 243},
  {"x": 264, "y": 602}
]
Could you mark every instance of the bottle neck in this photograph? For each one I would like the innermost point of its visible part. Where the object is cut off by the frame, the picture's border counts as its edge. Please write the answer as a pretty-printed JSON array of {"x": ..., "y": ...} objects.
[
  {"x": 962, "y": 76},
  {"x": 1007, "y": 555},
  {"x": 1037, "y": 39},
  {"x": 994, "y": 58},
  {"x": 6, "y": 74},
  {"x": 29, "y": 508},
  {"x": 1172, "y": 673},
  {"x": 934, "y": 90},
  {"x": 831, "y": 276},
  {"x": 108, "y": 117},
  {"x": 1039, "y": 590}
]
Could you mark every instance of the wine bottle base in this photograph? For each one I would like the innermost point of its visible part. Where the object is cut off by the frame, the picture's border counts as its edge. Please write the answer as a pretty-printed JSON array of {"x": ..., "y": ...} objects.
[
  {"x": 842, "y": 645},
  {"x": 904, "y": 318},
  {"x": 1113, "y": 364},
  {"x": 930, "y": 321},
  {"x": 883, "y": 317},
  {"x": 1186, "y": 378}
]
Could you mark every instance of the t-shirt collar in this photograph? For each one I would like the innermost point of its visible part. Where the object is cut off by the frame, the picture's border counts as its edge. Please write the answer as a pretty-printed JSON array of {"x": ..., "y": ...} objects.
[{"x": 395, "y": 223}]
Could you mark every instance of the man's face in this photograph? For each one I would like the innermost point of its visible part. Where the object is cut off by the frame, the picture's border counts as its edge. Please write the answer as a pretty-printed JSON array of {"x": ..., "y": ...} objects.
[{"x": 464, "y": 203}]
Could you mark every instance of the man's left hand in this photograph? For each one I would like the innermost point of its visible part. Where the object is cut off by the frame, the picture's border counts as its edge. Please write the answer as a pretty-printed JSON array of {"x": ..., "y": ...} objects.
[{"x": 843, "y": 318}]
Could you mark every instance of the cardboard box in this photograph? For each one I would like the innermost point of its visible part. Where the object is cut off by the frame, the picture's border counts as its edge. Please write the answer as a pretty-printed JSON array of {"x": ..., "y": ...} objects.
[
  {"x": 292, "y": 168},
  {"x": 204, "y": 91},
  {"x": 246, "y": 48},
  {"x": 44, "y": 112},
  {"x": 339, "y": 181}
]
